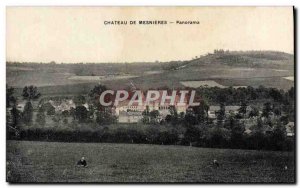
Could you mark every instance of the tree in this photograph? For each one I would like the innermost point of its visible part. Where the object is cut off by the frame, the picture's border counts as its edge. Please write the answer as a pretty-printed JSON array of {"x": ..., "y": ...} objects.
[
  {"x": 190, "y": 119},
  {"x": 174, "y": 115},
  {"x": 278, "y": 136},
  {"x": 258, "y": 127},
  {"x": 200, "y": 112},
  {"x": 65, "y": 113},
  {"x": 257, "y": 138},
  {"x": 81, "y": 113},
  {"x": 146, "y": 114},
  {"x": 91, "y": 112},
  {"x": 9, "y": 96},
  {"x": 221, "y": 113},
  {"x": 79, "y": 100},
  {"x": 206, "y": 109},
  {"x": 168, "y": 118},
  {"x": 41, "y": 117},
  {"x": 65, "y": 121},
  {"x": 48, "y": 108},
  {"x": 221, "y": 97},
  {"x": 72, "y": 113},
  {"x": 105, "y": 117},
  {"x": 25, "y": 93},
  {"x": 57, "y": 118},
  {"x": 254, "y": 112},
  {"x": 192, "y": 134},
  {"x": 277, "y": 111},
  {"x": 267, "y": 110},
  {"x": 28, "y": 113},
  {"x": 95, "y": 93},
  {"x": 16, "y": 116},
  {"x": 154, "y": 114},
  {"x": 243, "y": 108},
  {"x": 218, "y": 136},
  {"x": 237, "y": 134},
  {"x": 291, "y": 93},
  {"x": 276, "y": 94},
  {"x": 30, "y": 92},
  {"x": 181, "y": 116}
]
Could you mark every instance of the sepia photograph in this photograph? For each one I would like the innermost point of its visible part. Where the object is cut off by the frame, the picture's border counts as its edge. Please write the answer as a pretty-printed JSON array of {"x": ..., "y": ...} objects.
[{"x": 164, "y": 94}]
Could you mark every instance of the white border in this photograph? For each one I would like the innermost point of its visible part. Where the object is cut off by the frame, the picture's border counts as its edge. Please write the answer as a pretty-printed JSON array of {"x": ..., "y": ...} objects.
[
  {"x": 152, "y": 2},
  {"x": 4, "y": 3}
]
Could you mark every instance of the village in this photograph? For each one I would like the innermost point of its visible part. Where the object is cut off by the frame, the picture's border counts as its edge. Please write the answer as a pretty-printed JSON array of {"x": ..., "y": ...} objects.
[{"x": 60, "y": 110}]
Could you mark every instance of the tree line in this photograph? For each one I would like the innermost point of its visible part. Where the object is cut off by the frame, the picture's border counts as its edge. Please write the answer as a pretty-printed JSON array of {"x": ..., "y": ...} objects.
[{"x": 191, "y": 128}]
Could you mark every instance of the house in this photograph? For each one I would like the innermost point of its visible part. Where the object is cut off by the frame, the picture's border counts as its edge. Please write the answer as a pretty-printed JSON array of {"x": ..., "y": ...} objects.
[
  {"x": 20, "y": 106},
  {"x": 127, "y": 106},
  {"x": 290, "y": 129},
  {"x": 130, "y": 116},
  {"x": 124, "y": 106},
  {"x": 163, "y": 109},
  {"x": 213, "y": 110},
  {"x": 63, "y": 105},
  {"x": 248, "y": 123},
  {"x": 22, "y": 103}
]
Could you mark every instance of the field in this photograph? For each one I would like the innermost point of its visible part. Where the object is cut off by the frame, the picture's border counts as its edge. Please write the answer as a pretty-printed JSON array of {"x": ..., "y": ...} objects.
[
  {"x": 206, "y": 83},
  {"x": 55, "y": 162},
  {"x": 99, "y": 78},
  {"x": 289, "y": 78},
  {"x": 254, "y": 68}
]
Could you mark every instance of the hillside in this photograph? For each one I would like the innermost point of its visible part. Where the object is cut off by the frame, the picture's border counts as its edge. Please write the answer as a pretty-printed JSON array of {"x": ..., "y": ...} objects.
[
  {"x": 223, "y": 68},
  {"x": 259, "y": 59},
  {"x": 228, "y": 69}
]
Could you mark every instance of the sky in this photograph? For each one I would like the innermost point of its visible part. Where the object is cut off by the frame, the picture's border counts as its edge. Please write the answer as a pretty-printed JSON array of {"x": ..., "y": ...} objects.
[{"x": 78, "y": 34}]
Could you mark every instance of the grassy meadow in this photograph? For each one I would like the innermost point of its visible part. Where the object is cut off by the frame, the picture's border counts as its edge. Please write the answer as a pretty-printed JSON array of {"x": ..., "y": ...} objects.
[{"x": 55, "y": 162}]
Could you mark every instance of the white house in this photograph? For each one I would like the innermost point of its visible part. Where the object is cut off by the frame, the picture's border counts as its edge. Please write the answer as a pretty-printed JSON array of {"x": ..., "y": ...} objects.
[
  {"x": 290, "y": 129},
  {"x": 163, "y": 109},
  {"x": 213, "y": 110},
  {"x": 130, "y": 117}
]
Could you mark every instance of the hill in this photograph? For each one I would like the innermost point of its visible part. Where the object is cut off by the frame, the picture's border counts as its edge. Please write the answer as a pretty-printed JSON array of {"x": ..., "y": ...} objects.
[
  {"x": 237, "y": 69},
  {"x": 234, "y": 68},
  {"x": 262, "y": 59}
]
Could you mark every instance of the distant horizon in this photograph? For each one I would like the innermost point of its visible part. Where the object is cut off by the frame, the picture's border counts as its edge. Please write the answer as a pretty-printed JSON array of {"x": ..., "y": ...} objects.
[{"x": 36, "y": 62}]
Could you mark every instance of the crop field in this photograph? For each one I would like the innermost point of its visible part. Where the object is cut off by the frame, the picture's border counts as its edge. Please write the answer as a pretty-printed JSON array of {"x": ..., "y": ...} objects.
[
  {"x": 206, "y": 83},
  {"x": 275, "y": 82},
  {"x": 289, "y": 78},
  {"x": 55, "y": 162},
  {"x": 99, "y": 78}
]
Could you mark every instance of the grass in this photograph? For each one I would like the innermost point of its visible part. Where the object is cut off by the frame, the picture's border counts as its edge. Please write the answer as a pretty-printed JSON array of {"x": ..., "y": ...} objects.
[{"x": 55, "y": 162}]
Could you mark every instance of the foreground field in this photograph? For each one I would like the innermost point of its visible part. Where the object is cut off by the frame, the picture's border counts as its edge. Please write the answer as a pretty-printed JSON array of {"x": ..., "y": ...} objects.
[{"x": 55, "y": 162}]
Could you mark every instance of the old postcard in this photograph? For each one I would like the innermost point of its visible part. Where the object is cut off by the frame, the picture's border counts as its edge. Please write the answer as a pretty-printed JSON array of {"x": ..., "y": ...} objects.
[{"x": 150, "y": 95}]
